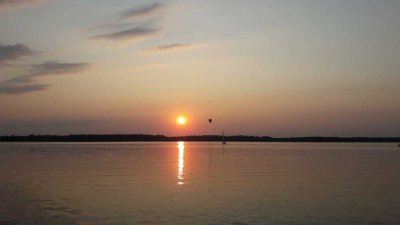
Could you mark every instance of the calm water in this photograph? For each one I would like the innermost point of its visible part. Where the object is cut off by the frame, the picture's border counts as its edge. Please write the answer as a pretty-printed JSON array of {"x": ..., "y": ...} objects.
[{"x": 199, "y": 183}]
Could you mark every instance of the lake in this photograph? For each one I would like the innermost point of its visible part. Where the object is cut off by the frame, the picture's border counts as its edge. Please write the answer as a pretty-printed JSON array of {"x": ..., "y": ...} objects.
[{"x": 199, "y": 183}]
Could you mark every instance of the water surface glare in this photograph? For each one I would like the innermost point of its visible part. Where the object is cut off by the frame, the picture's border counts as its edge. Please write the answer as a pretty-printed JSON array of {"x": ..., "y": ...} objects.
[{"x": 199, "y": 183}]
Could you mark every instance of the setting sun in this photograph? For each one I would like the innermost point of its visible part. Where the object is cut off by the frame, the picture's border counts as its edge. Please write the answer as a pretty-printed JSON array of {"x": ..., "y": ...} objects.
[{"x": 181, "y": 120}]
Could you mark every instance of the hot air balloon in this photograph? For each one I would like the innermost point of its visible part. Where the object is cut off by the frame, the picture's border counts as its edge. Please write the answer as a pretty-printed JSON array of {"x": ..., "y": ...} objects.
[{"x": 210, "y": 120}]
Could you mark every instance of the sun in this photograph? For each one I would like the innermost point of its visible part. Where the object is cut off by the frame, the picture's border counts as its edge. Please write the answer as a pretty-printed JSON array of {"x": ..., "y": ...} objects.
[{"x": 181, "y": 120}]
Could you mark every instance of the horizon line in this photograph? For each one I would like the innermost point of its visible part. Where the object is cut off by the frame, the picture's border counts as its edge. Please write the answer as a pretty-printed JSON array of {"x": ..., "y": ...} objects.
[{"x": 190, "y": 138}]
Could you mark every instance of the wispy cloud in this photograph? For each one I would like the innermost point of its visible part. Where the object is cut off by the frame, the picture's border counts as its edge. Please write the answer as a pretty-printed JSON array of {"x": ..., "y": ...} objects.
[
  {"x": 116, "y": 26},
  {"x": 128, "y": 27},
  {"x": 57, "y": 68},
  {"x": 11, "y": 3},
  {"x": 170, "y": 47},
  {"x": 13, "y": 89},
  {"x": 26, "y": 83},
  {"x": 133, "y": 33},
  {"x": 144, "y": 10},
  {"x": 9, "y": 53}
]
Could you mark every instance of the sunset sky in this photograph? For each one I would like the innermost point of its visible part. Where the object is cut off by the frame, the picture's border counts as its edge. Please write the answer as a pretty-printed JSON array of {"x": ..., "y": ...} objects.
[{"x": 259, "y": 67}]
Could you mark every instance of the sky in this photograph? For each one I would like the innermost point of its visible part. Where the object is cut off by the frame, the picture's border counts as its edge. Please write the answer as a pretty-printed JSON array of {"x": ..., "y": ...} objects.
[{"x": 259, "y": 67}]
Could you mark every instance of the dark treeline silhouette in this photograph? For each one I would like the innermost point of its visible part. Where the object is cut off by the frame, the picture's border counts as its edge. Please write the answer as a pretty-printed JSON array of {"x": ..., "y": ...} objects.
[{"x": 162, "y": 138}]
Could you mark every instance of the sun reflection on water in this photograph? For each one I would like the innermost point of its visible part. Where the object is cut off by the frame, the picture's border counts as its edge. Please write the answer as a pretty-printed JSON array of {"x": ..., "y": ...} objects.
[{"x": 181, "y": 162}]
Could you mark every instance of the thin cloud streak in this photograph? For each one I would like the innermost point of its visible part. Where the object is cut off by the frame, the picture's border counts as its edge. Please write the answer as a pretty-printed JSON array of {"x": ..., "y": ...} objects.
[
  {"x": 10, "y": 53},
  {"x": 143, "y": 10},
  {"x": 13, "y": 89},
  {"x": 170, "y": 47},
  {"x": 119, "y": 26},
  {"x": 49, "y": 69},
  {"x": 133, "y": 33},
  {"x": 56, "y": 68},
  {"x": 124, "y": 28},
  {"x": 25, "y": 83},
  {"x": 116, "y": 26}
]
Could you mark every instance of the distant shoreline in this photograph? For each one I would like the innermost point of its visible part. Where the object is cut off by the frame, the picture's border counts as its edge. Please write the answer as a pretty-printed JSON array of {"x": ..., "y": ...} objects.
[{"x": 200, "y": 138}]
